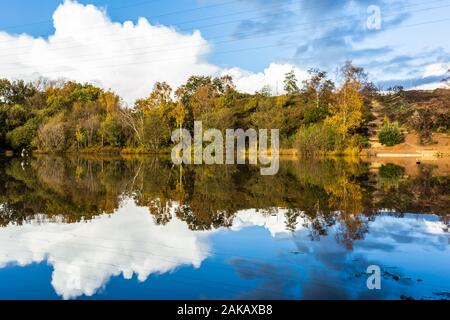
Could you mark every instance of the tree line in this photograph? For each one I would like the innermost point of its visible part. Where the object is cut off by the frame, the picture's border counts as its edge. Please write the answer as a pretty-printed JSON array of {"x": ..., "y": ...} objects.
[{"x": 316, "y": 116}]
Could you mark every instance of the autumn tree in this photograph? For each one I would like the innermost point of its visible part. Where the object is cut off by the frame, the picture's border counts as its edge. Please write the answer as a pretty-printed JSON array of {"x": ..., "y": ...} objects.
[
  {"x": 347, "y": 110},
  {"x": 157, "y": 130},
  {"x": 110, "y": 102},
  {"x": 180, "y": 113},
  {"x": 134, "y": 119},
  {"x": 202, "y": 102},
  {"x": 160, "y": 97},
  {"x": 112, "y": 131},
  {"x": 152, "y": 118},
  {"x": 224, "y": 84},
  {"x": 422, "y": 120},
  {"x": 51, "y": 136}
]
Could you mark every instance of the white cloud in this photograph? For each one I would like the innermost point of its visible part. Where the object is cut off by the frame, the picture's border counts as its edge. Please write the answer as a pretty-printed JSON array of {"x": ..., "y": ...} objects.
[
  {"x": 436, "y": 69},
  {"x": 128, "y": 58},
  {"x": 431, "y": 86},
  {"x": 275, "y": 223},
  {"x": 125, "y": 57},
  {"x": 273, "y": 76}
]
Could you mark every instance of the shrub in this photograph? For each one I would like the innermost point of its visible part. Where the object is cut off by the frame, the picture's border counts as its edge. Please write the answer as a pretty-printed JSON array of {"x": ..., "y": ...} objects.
[
  {"x": 390, "y": 134},
  {"x": 316, "y": 139},
  {"x": 314, "y": 114},
  {"x": 21, "y": 137},
  {"x": 358, "y": 141}
]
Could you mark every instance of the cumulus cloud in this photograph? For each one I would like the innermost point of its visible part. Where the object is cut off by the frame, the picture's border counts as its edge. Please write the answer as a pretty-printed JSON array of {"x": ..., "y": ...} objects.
[
  {"x": 127, "y": 57},
  {"x": 272, "y": 77}
]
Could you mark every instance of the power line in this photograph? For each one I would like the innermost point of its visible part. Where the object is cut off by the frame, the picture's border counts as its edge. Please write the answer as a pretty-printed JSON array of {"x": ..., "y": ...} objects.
[
  {"x": 238, "y": 50},
  {"x": 134, "y": 5},
  {"x": 226, "y": 41},
  {"x": 179, "y": 30},
  {"x": 109, "y": 35}
]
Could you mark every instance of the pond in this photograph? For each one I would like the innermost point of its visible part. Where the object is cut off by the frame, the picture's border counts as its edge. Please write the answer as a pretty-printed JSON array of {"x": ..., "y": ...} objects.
[{"x": 142, "y": 228}]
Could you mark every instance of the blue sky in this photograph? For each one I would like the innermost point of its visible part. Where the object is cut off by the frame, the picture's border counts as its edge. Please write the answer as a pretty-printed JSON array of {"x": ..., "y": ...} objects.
[
  {"x": 185, "y": 15},
  {"x": 412, "y": 46}
]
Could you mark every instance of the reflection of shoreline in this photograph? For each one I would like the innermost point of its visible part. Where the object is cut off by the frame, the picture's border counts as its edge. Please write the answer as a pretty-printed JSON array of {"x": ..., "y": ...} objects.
[
  {"x": 419, "y": 155},
  {"x": 441, "y": 166},
  {"x": 441, "y": 152},
  {"x": 289, "y": 155},
  {"x": 79, "y": 189}
]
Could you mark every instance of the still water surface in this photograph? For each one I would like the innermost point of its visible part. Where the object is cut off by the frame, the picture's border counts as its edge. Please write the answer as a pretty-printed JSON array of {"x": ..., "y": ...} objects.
[{"x": 140, "y": 228}]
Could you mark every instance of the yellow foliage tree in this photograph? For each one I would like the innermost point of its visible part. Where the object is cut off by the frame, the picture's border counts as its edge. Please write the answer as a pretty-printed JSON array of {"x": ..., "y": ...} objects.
[
  {"x": 110, "y": 101},
  {"x": 347, "y": 112}
]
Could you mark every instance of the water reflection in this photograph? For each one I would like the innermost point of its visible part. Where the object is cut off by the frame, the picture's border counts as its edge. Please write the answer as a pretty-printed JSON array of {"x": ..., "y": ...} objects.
[{"x": 309, "y": 232}]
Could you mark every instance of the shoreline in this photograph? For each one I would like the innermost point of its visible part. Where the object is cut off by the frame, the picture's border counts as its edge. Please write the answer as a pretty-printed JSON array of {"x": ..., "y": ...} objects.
[{"x": 284, "y": 152}]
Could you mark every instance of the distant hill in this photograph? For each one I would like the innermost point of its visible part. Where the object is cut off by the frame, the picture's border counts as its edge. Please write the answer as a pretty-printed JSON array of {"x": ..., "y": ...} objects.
[{"x": 422, "y": 111}]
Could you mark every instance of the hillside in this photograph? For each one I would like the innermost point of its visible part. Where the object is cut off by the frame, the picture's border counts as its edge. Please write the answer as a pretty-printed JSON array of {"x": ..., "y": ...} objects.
[{"x": 425, "y": 120}]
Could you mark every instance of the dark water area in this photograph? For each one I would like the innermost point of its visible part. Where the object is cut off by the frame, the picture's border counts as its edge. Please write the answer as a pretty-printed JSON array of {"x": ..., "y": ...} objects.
[{"x": 142, "y": 228}]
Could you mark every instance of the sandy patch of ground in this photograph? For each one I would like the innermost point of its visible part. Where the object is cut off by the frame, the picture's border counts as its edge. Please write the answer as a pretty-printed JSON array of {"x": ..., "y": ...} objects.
[{"x": 411, "y": 148}]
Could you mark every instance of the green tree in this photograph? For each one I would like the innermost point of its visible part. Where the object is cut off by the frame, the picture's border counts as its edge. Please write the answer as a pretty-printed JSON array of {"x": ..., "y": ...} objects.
[
  {"x": 22, "y": 137},
  {"x": 112, "y": 131},
  {"x": 390, "y": 175},
  {"x": 317, "y": 91}
]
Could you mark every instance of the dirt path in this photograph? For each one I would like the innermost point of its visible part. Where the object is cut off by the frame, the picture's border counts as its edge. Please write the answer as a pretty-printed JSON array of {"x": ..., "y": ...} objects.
[{"x": 374, "y": 125}]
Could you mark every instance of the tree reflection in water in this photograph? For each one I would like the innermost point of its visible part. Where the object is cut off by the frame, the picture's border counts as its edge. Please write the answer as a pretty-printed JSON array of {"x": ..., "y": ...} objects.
[{"x": 319, "y": 193}]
